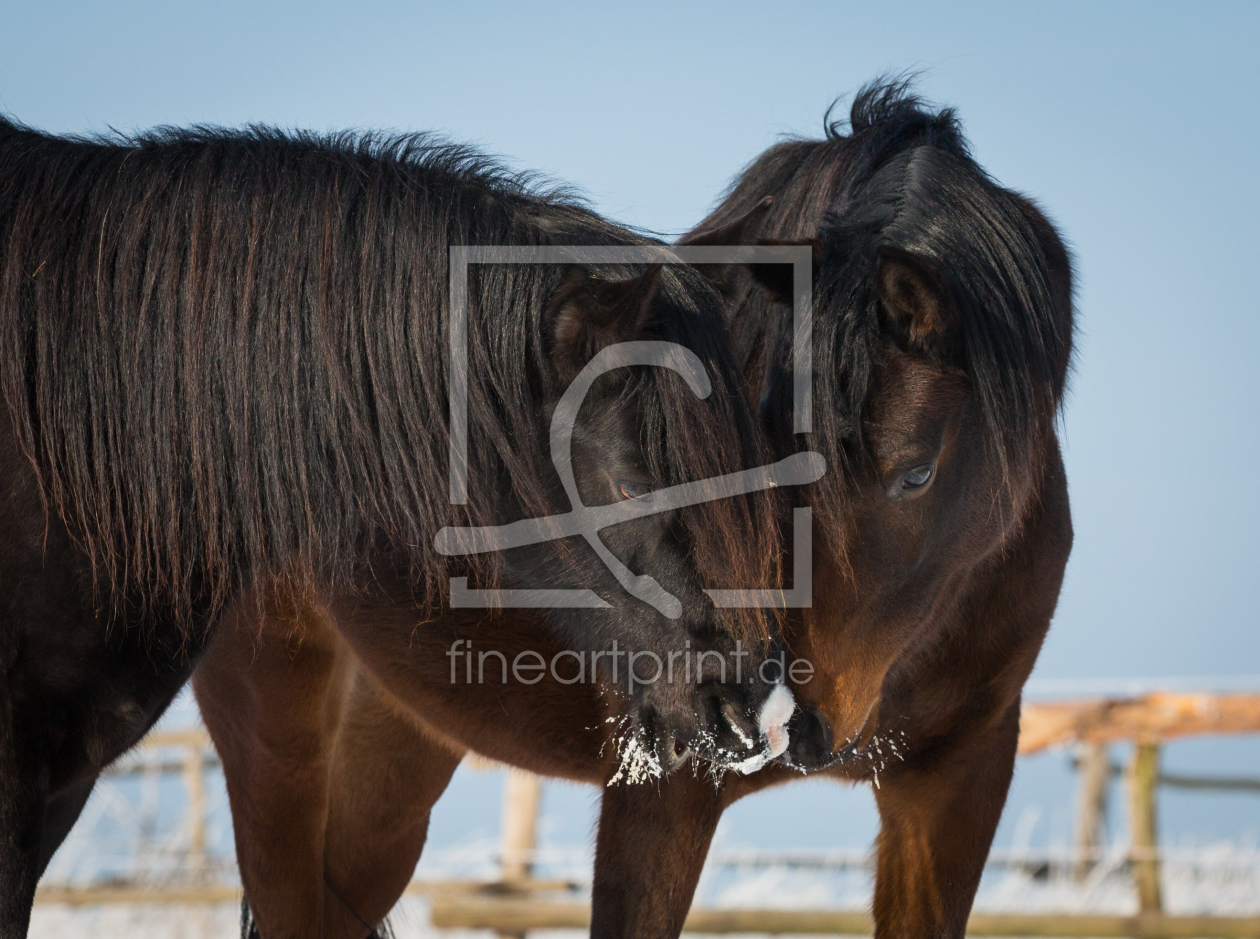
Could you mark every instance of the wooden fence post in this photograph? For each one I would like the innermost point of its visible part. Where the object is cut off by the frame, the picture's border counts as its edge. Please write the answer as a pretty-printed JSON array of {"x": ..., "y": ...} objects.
[
  {"x": 1143, "y": 780},
  {"x": 522, "y": 794},
  {"x": 195, "y": 789},
  {"x": 1094, "y": 766}
]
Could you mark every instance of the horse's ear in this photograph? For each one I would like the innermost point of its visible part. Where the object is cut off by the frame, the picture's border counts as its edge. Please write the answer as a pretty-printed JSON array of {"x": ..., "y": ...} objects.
[
  {"x": 776, "y": 279},
  {"x": 916, "y": 303},
  {"x": 588, "y": 313},
  {"x": 738, "y": 232}
]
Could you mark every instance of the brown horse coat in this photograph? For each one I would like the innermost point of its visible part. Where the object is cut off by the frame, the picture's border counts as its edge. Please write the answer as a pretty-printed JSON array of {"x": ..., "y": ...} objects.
[{"x": 942, "y": 339}]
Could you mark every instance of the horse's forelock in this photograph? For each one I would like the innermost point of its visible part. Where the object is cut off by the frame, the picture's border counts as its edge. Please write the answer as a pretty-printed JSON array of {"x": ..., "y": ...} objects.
[
  {"x": 735, "y": 541},
  {"x": 902, "y": 176}
]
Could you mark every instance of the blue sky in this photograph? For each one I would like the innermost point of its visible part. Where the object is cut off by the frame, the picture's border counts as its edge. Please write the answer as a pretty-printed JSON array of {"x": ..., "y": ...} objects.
[{"x": 1135, "y": 125}]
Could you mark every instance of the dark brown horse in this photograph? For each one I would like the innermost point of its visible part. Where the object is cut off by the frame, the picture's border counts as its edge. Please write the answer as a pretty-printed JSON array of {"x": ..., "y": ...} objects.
[
  {"x": 223, "y": 364},
  {"x": 942, "y": 340}
]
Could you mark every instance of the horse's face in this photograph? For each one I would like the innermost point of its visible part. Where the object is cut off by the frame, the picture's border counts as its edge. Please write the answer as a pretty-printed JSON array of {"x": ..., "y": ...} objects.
[
  {"x": 639, "y": 430},
  {"x": 926, "y": 500}
]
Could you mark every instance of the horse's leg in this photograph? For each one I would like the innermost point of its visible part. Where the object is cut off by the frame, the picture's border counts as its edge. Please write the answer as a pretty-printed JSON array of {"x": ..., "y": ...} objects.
[
  {"x": 385, "y": 776},
  {"x": 272, "y": 701},
  {"x": 23, "y": 790},
  {"x": 649, "y": 853},
  {"x": 939, "y": 813},
  {"x": 62, "y": 812}
]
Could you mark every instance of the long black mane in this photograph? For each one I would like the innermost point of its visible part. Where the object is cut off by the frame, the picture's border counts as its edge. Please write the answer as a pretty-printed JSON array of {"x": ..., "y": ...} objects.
[
  {"x": 225, "y": 353},
  {"x": 900, "y": 175}
]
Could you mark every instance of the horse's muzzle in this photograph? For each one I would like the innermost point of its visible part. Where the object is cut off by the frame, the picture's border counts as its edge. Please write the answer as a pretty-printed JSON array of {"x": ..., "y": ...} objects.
[{"x": 810, "y": 740}]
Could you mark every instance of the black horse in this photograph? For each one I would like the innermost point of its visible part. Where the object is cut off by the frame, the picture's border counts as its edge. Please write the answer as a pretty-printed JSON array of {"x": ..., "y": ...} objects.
[
  {"x": 223, "y": 363},
  {"x": 943, "y": 329},
  {"x": 942, "y": 335}
]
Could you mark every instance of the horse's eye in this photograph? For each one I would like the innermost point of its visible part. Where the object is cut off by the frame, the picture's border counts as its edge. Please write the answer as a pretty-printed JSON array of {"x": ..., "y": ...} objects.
[
  {"x": 918, "y": 477},
  {"x": 639, "y": 492}
]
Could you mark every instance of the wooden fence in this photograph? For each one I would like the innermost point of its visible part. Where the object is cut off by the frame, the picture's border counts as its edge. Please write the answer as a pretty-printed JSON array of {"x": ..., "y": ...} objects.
[
  {"x": 517, "y": 903},
  {"x": 1148, "y": 722}
]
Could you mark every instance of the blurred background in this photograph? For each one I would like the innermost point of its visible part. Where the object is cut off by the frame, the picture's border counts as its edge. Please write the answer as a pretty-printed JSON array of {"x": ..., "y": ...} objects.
[{"x": 1133, "y": 124}]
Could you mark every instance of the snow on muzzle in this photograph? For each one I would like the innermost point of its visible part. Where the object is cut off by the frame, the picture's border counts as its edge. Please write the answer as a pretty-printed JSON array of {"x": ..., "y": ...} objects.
[{"x": 772, "y": 723}]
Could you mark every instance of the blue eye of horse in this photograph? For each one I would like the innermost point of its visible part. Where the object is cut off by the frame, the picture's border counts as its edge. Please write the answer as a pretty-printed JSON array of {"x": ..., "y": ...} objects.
[
  {"x": 918, "y": 477},
  {"x": 638, "y": 492}
]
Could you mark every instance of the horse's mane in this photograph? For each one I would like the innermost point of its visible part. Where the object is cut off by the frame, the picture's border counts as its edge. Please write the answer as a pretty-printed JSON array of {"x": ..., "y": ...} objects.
[
  {"x": 225, "y": 352},
  {"x": 900, "y": 175}
]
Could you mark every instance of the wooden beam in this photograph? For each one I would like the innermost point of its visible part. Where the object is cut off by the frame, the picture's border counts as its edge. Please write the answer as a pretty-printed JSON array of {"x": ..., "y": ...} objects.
[
  {"x": 165, "y": 895},
  {"x": 462, "y": 904},
  {"x": 192, "y": 737},
  {"x": 1149, "y": 719},
  {"x": 200, "y": 894},
  {"x": 521, "y": 915}
]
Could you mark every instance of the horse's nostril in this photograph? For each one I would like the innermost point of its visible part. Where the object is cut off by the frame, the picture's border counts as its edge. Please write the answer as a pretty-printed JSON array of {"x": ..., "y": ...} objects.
[
  {"x": 811, "y": 739},
  {"x": 679, "y": 748}
]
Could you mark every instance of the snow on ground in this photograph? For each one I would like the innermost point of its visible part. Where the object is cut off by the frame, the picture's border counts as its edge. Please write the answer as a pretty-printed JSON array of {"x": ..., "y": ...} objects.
[
  {"x": 1221, "y": 879},
  {"x": 58, "y": 921}
]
